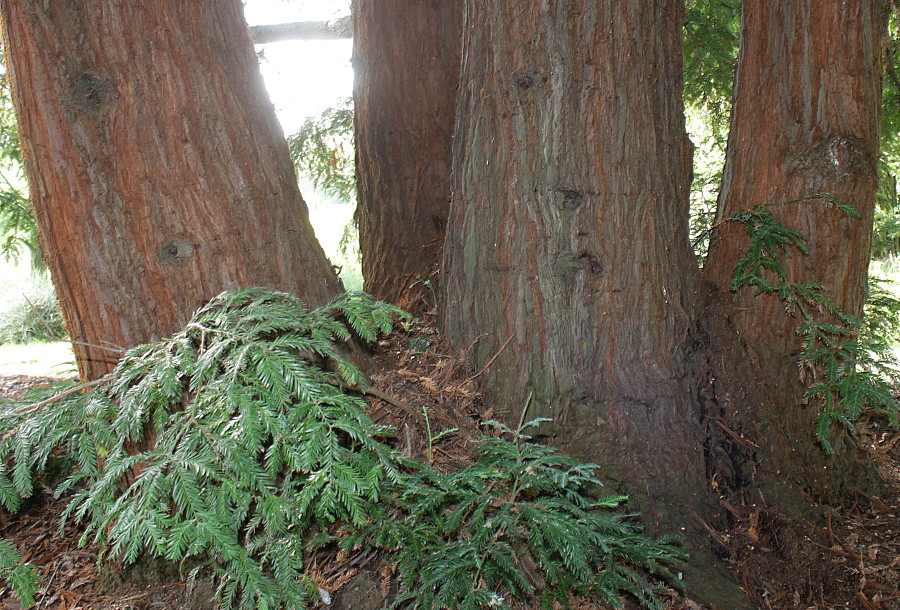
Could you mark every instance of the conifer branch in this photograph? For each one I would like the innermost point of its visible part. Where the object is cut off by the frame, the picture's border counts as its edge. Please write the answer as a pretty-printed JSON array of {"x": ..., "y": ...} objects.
[{"x": 56, "y": 397}]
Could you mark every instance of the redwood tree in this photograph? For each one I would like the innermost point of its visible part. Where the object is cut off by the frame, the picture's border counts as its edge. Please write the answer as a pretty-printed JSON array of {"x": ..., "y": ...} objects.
[
  {"x": 567, "y": 245},
  {"x": 585, "y": 268},
  {"x": 567, "y": 262},
  {"x": 805, "y": 122},
  {"x": 159, "y": 173},
  {"x": 406, "y": 64}
]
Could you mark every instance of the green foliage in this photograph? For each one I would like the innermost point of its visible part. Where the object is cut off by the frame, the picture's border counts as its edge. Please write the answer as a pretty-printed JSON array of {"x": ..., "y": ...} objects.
[
  {"x": 22, "y": 577},
  {"x": 31, "y": 314},
  {"x": 709, "y": 159},
  {"x": 521, "y": 518},
  {"x": 323, "y": 151},
  {"x": 431, "y": 437},
  {"x": 886, "y": 239},
  {"x": 17, "y": 226},
  {"x": 856, "y": 364},
  {"x": 223, "y": 443},
  {"x": 710, "y": 34},
  {"x": 889, "y": 168},
  {"x": 234, "y": 444},
  {"x": 711, "y": 31},
  {"x": 847, "y": 360},
  {"x": 886, "y": 234},
  {"x": 769, "y": 240},
  {"x": 882, "y": 312},
  {"x": 890, "y": 115}
]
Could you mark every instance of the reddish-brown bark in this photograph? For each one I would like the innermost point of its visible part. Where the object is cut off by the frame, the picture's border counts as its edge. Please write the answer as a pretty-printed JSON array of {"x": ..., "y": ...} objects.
[
  {"x": 159, "y": 173},
  {"x": 406, "y": 61},
  {"x": 806, "y": 104},
  {"x": 568, "y": 239},
  {"x": 567, "y": 255}
]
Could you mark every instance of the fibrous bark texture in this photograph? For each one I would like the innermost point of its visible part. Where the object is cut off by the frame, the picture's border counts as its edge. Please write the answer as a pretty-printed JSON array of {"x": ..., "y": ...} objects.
[
  {"x": 805, "y": 122},
  {"x": 406, "y": 63},
  {"x": 158, "y": 170},
  {"x": 568, "y": 239},
  {"x": 569, "y": 215}
]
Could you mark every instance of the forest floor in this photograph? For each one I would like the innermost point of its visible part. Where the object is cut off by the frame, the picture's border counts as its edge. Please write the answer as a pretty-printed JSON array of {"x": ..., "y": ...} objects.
[{"x": 852, "y": 560}]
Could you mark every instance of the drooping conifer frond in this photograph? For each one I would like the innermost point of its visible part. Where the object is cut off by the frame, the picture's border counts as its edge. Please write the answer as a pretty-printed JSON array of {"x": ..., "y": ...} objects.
[
  {"x": 848, "y": 360},
  {"x": 523, "y": 522},
  {"x": 233, "y": 440},
  {"x": 223, "y": 443}
]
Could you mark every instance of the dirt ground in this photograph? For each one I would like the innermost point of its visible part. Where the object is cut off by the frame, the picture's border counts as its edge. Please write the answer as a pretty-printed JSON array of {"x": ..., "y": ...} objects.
[{"x": 852, "y": 560}]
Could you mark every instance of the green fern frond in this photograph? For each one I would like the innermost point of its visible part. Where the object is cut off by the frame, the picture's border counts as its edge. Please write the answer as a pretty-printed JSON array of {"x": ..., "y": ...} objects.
[
  {"x": 843, "y": 352},
  {"x": 251, "y": 435},
  {"x": 254, "y": 443},
  {"x": 21, "y": 577},
  {"x": 464, "y": 536}
]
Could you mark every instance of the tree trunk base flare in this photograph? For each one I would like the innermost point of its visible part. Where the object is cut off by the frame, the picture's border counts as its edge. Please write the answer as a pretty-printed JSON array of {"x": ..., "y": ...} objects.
[
  {"x": 672, "y": 499},
  {"x": 763, "y": 433},
  {"x": 712, "y": 585}
]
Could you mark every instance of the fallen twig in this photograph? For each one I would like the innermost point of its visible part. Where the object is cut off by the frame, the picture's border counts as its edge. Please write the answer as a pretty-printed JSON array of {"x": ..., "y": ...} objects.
[
  {"x": 734, "y": 435},
  {"x": 490, "y": 362},
  {"x": 837, "y": 550},
  {"x": 876, "y": 502},
  {"x": 40, "y": 317},
  {"x": 865, "y": 601},
  {"x": 711, "y": 531},
  {"x": 385, "y": 397},
  {"x": 524, "y": 411},
  {"x": 109, "y": 348},
  {"x": 828, "y": 518}
]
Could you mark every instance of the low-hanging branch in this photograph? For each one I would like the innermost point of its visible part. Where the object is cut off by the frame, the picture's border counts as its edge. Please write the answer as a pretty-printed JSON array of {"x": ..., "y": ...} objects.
[{"x": 333, "y": 29}]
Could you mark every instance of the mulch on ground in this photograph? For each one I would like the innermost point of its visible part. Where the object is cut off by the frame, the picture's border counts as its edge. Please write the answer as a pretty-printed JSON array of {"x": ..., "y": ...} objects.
[{"x": 852, "y": 561}]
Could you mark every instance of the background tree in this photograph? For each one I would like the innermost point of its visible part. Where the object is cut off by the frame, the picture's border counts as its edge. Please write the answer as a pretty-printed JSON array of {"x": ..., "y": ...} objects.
[
  {"x": 323, "y": 151},
  {"x": 710, "y": 34},
  {"x": 886, "y": 240},
  {"x": 159, "y": 173},
  {"x": 406, "y": 62}
]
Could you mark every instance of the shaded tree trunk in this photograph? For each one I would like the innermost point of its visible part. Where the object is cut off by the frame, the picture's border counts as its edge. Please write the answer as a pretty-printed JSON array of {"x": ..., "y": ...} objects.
[
  {"x": 159, "y": 173},
  {"x": 406, "y": 62},
  {"x": 805, "y": 121},
  {"x": 568, "y": 239}
]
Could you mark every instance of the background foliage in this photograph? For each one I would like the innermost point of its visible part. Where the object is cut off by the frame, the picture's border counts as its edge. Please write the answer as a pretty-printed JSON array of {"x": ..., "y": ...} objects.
[
  {"x": 18, "y": 234},
  {"x": 30, "y": 312},
  {"x": 323, "y": 151}
]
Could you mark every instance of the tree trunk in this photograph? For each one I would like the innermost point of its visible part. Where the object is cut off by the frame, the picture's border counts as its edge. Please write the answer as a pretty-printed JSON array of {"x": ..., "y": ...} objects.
[
  {"x": 567, "y": 254},
  {"x": 159, "y": 173},
  {"x": 406, "y": 61},
  {"x": 806, "y": 117}
]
